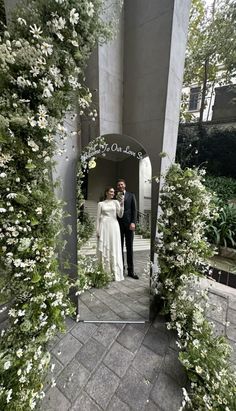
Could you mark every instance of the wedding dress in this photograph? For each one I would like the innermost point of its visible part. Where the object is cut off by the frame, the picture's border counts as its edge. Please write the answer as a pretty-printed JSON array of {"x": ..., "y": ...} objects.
[{"x": 109, "y": 242}]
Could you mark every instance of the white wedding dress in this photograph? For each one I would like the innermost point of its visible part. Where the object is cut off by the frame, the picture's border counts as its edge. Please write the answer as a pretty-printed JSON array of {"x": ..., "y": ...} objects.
[{"x": 109, "y": 243}]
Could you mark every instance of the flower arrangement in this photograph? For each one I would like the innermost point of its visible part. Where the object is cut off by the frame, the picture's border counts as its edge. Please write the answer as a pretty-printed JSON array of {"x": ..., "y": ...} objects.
[
  {"x": 42, "y": 59},
  {"x": 91, "y": 274},
  {"x": 187, "y": 207},
  {"x": 204, "y": 355}
]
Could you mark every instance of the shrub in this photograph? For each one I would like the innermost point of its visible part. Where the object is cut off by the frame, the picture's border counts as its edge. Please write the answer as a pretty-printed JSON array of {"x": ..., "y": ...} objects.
[
  {"x": 222, "y": 232},
  {"x": 91, "y": 274},
  {"x": 85, "y": 228},
  {"x": 223, "y": 187}
]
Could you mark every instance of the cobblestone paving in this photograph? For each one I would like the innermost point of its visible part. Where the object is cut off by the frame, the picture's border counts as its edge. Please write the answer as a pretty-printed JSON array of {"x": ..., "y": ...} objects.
[{"x": 122, "y": 367}]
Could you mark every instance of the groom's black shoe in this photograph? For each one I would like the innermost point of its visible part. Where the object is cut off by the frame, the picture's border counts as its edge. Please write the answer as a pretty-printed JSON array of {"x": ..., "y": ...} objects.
[{"x": 134, "y": 276}]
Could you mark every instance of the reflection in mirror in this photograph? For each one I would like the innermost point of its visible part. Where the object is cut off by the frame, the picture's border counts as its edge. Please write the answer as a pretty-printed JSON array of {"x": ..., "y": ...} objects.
[{"x": 115, "y": 286}]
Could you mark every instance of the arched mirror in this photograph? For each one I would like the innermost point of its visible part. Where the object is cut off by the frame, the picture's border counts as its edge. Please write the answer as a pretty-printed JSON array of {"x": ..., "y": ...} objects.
[{"x": 105, "y": 294}]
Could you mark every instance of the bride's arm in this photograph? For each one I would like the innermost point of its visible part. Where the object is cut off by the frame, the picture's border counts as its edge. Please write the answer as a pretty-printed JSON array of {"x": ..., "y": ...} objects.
[
  {"x": 119, "y": 208},
  {"x": 99, "y": 211}
]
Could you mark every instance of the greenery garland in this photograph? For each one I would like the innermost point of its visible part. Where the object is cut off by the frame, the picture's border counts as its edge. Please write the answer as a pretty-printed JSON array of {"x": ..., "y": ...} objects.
[
  {"x": 42, "y": 58},
  {"x": 187, "y": 208}
]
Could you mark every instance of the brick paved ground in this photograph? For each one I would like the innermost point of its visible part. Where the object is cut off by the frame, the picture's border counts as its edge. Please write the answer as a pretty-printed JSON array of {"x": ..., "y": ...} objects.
[{"x": 121, "y": 367}]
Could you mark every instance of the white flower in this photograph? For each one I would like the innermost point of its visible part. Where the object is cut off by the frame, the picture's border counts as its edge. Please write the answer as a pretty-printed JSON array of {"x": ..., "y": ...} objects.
[
  {"x": 7, "y": 365},
  {"x": 22, "y": 82},
  {"x": 73, "y": 82},
  {"x": 35, "y": 71},
  {"x": 198, "y": 369},
  {"x": 42, "y": 122},
  {"x": 2, "y": 210},
  {"x": 39, "y": 210},
  {"x": 21, "y": 21},
  {"x": 12, "y": 312},
  {"x": 47, "y": 49},
  {"x": 60, "y": 36},
  {"x": 47, "y": 93},
  {"x": 74, "y": 17},
  {"x": 36, "y": 31},
  {"x": 90, "y": 9},
  {"x": 9, "y": 394},
  {"x": 17, "y": 262},
  {"x": 74, "y": 43},
  {"x": 59, "y": 24},
  {"x": 33, "y": 145},
  {"x": 42, "y": 111},
  {"x": 53, "y": 383},
  {"x": 47, "y": 159},
  {"x": 2, "y": 175},
  {"x": 32, "y": 122},
  {"x": 196, "y": 343},
  {"x": 19, "y": 353},
  {"x": 21, "y": 313}
]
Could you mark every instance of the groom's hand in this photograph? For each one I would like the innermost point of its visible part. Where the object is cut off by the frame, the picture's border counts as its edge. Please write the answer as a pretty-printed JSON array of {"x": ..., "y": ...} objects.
[{"x": 132, "y": 227}]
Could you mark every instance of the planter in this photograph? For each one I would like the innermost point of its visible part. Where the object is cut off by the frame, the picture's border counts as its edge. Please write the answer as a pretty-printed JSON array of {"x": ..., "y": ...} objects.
[
  {"x": 227, "y": 252},
  {"x": 224, "y": 277}
]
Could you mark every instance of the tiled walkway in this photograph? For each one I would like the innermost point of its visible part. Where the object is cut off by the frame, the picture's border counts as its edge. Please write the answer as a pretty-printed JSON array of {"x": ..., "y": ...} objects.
[
  {"x": 121, "y": 367},
  {"x": 124, "y": 300}
]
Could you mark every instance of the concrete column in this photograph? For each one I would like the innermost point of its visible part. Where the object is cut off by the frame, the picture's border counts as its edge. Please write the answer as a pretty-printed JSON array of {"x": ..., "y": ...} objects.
[
  {"x": 110, "y": 58},
  {"x": 155, "y": 37}
]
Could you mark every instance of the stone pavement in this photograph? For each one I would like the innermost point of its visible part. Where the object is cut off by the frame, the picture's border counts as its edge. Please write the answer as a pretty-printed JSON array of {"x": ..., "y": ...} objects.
[
  {"x": 121, "y": 367},
  {"x": 124, "y": 300}
]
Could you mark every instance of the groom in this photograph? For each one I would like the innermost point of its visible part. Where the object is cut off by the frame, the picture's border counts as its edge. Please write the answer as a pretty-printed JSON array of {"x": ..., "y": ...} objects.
[{"x": 127, "y": 224}]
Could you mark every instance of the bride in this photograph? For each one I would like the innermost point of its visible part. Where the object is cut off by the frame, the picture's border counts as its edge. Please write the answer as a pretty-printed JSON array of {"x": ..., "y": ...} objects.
[{"x": 108, "y": 233}]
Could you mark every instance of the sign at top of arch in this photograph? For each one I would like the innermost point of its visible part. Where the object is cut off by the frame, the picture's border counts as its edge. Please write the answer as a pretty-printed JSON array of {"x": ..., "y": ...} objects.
[{"x": 112, "y": 148}]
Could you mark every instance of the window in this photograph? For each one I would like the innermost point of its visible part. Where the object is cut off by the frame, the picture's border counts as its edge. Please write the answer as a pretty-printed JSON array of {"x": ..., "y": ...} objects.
[{"x": 194, "y": 98}]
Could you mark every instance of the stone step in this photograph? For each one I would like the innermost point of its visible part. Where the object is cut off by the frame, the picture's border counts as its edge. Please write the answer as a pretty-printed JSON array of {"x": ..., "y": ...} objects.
[
  {"x": 140, "y": 244},
  {"x": 92, "y": 251}
]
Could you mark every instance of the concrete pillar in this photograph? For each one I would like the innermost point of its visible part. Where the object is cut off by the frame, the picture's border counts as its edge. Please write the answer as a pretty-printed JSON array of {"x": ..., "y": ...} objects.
[{"x": 155, "y": 34}]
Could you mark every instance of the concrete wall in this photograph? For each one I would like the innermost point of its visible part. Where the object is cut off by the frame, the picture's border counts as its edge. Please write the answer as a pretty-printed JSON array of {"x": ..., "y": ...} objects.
[
  {"x": 155, "y": 37},
  {"x": 224, "y": 106},
  {"x": 145, "y": 175},
  {"x": 91, "y": 130},
  {"x": 100, "y": 177},
  {"x": 129, "y": 170},
  {"x": 65, "y": 172},
  {"x": 110, "y": 59},
  {"x": 106, "y": 173}
]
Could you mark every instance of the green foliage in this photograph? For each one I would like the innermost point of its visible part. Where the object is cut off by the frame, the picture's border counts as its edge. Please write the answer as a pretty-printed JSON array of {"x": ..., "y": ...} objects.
[
  {"x": 91, "y": 274},
  {"x": 204, "y": 355},
  {"x": 214, "y": 148},
  {"x": 145, "y": 232},
  {"x": 85, "y": 228},
  {"x": 187, "y": 207},
  {"x": 181, "y": 246},
  {"x": 223, "y": 187},
  {"x": 210, "y": 55},
  {"x": 223, "y": 231}
]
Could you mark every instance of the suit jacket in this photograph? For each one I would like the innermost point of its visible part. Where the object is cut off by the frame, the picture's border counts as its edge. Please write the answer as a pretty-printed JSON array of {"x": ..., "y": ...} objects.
[{"x": 130, "y": 209}]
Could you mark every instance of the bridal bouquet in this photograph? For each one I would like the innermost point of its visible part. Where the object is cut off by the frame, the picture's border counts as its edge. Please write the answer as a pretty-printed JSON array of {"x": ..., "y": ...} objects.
[{"x": 120, "y": 197}]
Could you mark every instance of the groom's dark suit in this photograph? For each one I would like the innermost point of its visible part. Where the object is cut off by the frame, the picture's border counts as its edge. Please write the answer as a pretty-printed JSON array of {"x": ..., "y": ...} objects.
[{"x": 130, "y": 216}]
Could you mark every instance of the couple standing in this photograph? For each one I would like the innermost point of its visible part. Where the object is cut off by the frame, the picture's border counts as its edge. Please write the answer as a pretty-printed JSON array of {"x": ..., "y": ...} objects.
[{"x": 116, "y": 219}]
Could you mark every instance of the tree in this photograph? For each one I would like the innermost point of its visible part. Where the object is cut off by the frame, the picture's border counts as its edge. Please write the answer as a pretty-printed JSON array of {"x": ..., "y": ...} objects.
[{"x": 211, "y": 49}]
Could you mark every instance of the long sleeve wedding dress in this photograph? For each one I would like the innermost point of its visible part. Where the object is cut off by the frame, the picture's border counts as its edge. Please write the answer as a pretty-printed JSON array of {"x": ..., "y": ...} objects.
[{"x": 109, "y": 242}]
